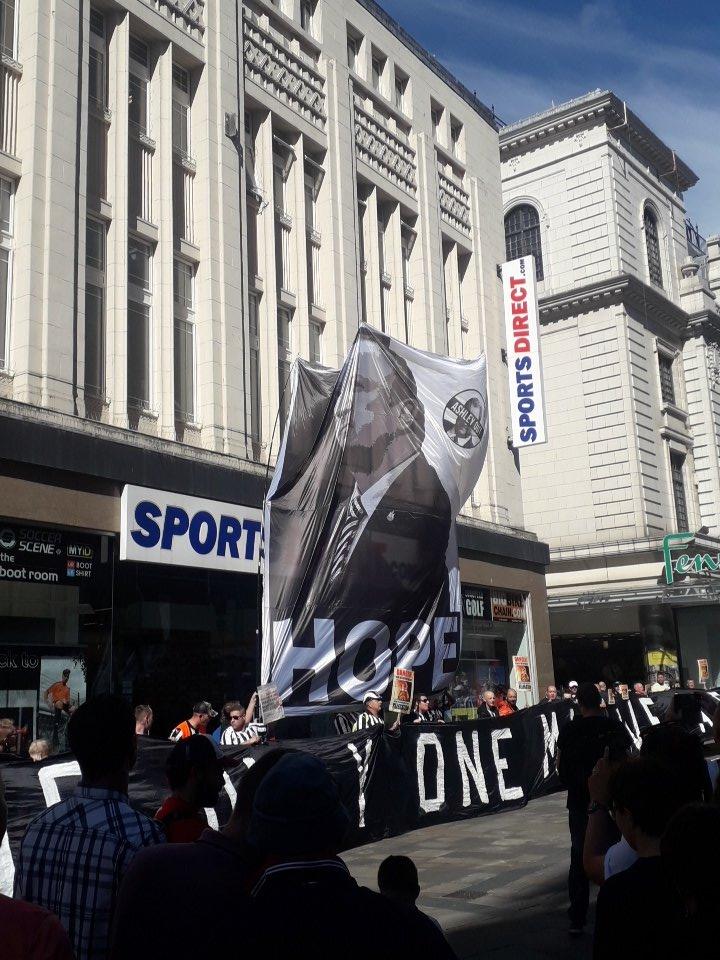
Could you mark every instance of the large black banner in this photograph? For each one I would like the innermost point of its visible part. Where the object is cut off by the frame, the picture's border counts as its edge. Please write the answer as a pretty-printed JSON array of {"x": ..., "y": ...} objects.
[{"x": 426, "y": 773}]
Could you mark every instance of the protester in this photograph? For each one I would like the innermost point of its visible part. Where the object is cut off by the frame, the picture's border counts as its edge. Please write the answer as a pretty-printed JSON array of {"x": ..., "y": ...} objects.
[
  {"x": 74, "y": 854},
  {"x": 690, "y": 685},
  {"x": 644, "y": 796},
  {"x": 551, "y": 694},
  {"x": 581, "y": 743},
  {"x": 194, "y": 771},
  {"x": 487, "y": 709},
  {"x": 372, "y": 714},
  {"x": 639, "y": 689},
  {"x": 602, "y": 687},
  {"x": 240, "y": 732},
  {"x": 28, "y": 932},
  {"x": 572, "y": 691},
  {"x": 39, "y": 750},
  {"x": 421, "y": 713},
  {"x": 436, "y": 713},
  {"x": 660, "y": 684},
  {"x": 298, "y": 825},
  {"x": 508, "y": 705},
  {"x": 143, "y": 720},
  {"x": 398, "y": 880},
  {"x": 210, "y": 876},
  {"x": 8, "y": 735},
  {"x": 202, "y": 712}
]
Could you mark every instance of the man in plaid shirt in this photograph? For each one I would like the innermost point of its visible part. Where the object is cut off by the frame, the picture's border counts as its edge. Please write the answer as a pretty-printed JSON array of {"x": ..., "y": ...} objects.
[{"x": 74, "y": 855}]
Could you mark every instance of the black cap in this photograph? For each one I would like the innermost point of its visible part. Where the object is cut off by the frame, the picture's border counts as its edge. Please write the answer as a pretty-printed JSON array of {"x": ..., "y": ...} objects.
[{"x": 202, "y": 706}]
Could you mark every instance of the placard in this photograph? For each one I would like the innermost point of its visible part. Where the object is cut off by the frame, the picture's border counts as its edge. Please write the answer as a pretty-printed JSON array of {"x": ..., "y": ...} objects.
[
  {"x": 703, "y": 671},
  {"x": 271, "y": 705},
  {"x": 522, "y": 673},
  {"x": 402, "y": 690}
]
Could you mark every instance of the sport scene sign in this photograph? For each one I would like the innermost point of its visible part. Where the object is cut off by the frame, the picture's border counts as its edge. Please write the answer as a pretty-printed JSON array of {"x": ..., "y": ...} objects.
[
  {"x": 527, "y": 406},
  {"x": 361, "y": 571}
]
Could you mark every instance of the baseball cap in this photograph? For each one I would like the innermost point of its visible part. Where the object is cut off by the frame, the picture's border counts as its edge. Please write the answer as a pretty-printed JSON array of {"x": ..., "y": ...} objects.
[
  {"x": 573, "y": 683},
  {"x": 197, "y": 751},
  {"x": 202, "y": 706},
  {"x": 371, "y": 695}
]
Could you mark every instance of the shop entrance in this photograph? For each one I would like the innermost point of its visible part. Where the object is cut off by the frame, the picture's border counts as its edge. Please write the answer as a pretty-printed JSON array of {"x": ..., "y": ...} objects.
[{"x": 594, "y": 657}]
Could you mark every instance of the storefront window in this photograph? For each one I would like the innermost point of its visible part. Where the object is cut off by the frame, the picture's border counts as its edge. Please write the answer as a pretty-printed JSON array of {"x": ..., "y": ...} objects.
[
  {"x": 494, "y": 631},
  {"x": 183, "y": 635},
  {"x": 55, "y": 621}
]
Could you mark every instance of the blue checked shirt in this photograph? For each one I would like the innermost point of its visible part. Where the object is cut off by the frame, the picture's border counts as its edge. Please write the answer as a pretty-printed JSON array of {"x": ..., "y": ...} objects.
[{"x": 73, "y": 857}]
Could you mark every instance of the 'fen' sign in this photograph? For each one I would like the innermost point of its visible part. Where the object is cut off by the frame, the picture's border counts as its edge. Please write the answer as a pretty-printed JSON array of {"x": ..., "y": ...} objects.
[
  {"x": 527, "y": 408},
  {"x": 161, "y": 527}
]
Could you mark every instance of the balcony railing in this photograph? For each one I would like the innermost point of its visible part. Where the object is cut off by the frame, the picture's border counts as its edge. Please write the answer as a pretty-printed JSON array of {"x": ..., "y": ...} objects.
[
  {"x": 380, "y": 148},
  {"x": 9, "y": 84},
  {"x": 454, "y": 203},
  {"x": 284, "y": 74}
]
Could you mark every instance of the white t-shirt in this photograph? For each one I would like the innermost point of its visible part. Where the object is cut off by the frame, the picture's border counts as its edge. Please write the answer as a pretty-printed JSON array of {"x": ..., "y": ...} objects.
[
  {"x": 659, "y": 687},
  {"x": 619, "y": 857}
]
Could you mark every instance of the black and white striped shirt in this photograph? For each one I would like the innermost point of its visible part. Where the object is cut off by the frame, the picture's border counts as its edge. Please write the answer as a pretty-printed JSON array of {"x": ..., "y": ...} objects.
[
  {"x": 367, "y": 720},
  {"x": 235, "y": 738}
]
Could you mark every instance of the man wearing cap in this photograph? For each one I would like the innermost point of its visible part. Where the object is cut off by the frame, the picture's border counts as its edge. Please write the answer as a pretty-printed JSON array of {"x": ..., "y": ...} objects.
[
  {"x": 372, "y": 715},
  {"x": 572, "y": 689},
  {"x": 194, "y": 770},
  {"x": 197, "y": 723}
]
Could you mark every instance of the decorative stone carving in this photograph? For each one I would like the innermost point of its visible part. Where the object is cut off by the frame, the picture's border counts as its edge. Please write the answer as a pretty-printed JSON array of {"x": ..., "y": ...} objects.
[
  {"x": 454, "y": 203},
  {"x": 580, "y": 138},
  {"x": 712, "y": 358},
  {"x": 283, "y": 74},
  {"x": 187, "y": 14},
  {"x": 382, "y": 149}
]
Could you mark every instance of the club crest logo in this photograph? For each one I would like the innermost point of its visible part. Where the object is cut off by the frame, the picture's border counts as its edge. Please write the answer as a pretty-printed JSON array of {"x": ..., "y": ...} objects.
[{"x": 464, "y": 419}]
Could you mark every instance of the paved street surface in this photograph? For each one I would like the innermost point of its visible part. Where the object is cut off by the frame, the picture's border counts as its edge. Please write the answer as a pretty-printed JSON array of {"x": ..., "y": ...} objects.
[{"x": 496, "y": 884}]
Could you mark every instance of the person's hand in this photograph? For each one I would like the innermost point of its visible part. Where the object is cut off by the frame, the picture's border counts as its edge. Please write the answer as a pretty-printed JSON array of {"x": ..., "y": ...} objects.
[
  {"x": 418, "y": 720},
  {"x": 599, "y": 780},
  {"x": 396, "y": 725},
  {"x": 253, "y": 700}
]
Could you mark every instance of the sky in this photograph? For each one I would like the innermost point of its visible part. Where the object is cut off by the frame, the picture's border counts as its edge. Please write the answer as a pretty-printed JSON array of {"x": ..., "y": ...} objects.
[{"x": 662, "y": 57}]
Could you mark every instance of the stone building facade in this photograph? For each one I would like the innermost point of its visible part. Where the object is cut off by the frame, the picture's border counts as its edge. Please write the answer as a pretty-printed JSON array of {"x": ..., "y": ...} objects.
[
  {"x": 191, "y": 195},
  {"x": 630, "y": 327}
]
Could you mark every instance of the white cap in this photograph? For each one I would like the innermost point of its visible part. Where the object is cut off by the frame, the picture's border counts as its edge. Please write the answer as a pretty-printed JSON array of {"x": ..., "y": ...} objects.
[
  {"x": 573, "y": 683},
  {"x": 371, "y": 695}
]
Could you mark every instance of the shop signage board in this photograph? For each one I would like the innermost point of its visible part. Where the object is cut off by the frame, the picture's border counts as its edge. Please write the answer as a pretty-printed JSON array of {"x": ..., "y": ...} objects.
[
  {"x": 686, "y": 563},
  {"x": 508, "y": 607},
  {"x": 476, "y": 603},
  {"x": 161, "y": 527},
  {"x": 34, "y": 554},
  {"x": 527, "y": 405}
]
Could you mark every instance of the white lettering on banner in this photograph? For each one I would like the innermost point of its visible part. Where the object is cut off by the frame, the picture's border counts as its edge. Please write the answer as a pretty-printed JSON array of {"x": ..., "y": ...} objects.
[
  {"x": 646, "y": 703},
  {"x": 473, "y": 767},
  {"x": 49, "y": 776},
  {"x": 303, "y": 658},
  {"x": 430, "y": 804},
  {"x": 501, "y": 764},
  {"x": 413, "y": 644},
  {"x": 446, "y": 651},
  {"x": 7, "y": 868},
  {"x": 161, "y": 527},
  {"x": 527, "y": 406},
  {"x": 362, "y": 767},
  {"x": 636, "y": 738},
  {"x": 550, "y": 735},
  {"x": 357, "y": 686}
]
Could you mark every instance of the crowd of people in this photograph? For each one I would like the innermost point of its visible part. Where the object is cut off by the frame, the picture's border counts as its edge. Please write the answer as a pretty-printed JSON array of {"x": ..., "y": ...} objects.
[{"x": 97, "y": 879}]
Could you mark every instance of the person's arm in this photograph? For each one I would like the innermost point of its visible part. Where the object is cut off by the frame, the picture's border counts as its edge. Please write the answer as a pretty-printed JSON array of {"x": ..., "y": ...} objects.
[
  {"x": 601, "y": 832},
  {"x": 250, "y": 712}
]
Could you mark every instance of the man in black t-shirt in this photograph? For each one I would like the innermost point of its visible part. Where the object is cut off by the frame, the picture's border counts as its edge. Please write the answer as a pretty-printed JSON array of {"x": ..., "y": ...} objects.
[{"x": 580, "y": 745}]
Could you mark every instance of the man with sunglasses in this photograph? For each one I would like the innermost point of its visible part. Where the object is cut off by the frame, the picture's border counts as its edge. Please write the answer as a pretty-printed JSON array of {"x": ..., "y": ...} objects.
[
  {"x": 421, "y": 714},
  {"x": 240, "y": 731}
]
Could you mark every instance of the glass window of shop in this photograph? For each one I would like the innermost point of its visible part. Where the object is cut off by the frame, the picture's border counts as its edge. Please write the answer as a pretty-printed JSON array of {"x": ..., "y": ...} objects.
[
  {"x": 181, "y": 635},
  {"x": 494, "y": 631},
  {"x": 699, "y": 638},
  {"x": 55, "y": 624}
]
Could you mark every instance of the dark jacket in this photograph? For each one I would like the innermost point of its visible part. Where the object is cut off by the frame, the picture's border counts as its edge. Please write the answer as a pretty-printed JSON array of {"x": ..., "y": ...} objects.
[{"x": 485, "y": 713}]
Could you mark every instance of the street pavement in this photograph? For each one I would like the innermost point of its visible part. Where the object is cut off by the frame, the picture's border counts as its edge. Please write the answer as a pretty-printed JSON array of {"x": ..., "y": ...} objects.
[{"x": 496, "y": 884}]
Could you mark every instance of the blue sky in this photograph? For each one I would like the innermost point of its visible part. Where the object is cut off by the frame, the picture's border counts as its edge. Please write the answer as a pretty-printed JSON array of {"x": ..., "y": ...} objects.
[{"x": 663, "y": 57}]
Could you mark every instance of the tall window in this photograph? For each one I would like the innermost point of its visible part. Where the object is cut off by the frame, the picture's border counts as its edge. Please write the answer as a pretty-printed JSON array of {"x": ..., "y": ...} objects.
[
  {"x": 283, "y": 156},
  {"x": 139, "y": 156},
  {"x": 407, "y": 241},
  {"x": 181, "y": 111},
  {"x": 456, "y": 131},
  {"x": 522, "y": 236},
  {"x": 6, "y": 232},
  {"x": 284, "y": 333},
  {"x": 139, "y": 85},
  {"x": 385, "y": 278},
  {"x": 138, "y": 318},
  {"x": 255, "y": 399},
  {"x": 362, "y": 207},
  {"x": 378, "y": 65},
  {"x": 652, "y": 245},
  {"x": 677, "y": 462},
  {"x": 184, "y": 341},
  {"x": 97, "y": 104},
  {"x": 315, "y": 342},
  {"x": 7, "y": 28},
  {"x": 353, "y": 52},
  {"x": 436, "y": 115},
  {"x": 95, "y": 309},
  {"x": 400, "y": 88},
  {"x": 307, "y": 9},
  {"x": 667, "y": 385},
  {"x": 313, "y": 180}
]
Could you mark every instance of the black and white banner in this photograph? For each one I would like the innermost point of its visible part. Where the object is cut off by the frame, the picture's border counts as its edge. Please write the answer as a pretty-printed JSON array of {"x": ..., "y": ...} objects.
[
  {"x": 427, "y": 773},
  {"x": 360, "y": 553}
]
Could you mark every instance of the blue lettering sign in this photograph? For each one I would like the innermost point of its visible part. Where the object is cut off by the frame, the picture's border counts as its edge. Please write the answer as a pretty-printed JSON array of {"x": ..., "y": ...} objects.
[{"x": 149, "y": 533}]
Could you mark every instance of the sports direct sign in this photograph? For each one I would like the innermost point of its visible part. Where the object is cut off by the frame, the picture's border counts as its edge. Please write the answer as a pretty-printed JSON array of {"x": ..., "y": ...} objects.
[
  {"x": 523, "y": 345},
  {"x": 161, "y": 527}
]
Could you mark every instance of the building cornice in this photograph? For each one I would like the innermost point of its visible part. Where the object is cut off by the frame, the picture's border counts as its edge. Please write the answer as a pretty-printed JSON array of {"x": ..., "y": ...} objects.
[
  {"x": 598, "y": 107},
  {"x": 623, "y": 289}
]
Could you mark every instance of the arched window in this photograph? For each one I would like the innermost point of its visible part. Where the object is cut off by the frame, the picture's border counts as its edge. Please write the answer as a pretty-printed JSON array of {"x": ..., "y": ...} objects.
[
  {"x": 522, "y": 236},
  {"x": 652, "y": 245}
]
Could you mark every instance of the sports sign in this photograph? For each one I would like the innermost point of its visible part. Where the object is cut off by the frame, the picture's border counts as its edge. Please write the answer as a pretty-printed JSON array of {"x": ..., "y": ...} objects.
[
  {"x": 527, "y": 407},
  {"x": 161, "y": 527}
]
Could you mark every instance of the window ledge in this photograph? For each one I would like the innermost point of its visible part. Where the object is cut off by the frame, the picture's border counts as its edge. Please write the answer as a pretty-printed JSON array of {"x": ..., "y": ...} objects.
[
  {"x": 317, "y": 313},
  {"x": 148, "y": 231},
  {"x": 12, "y": 65},
  {"x": 676, "y": 436},
  {"x": 670, "y": 409},
  {"x": 257, "y": 284},
  {"x": 286, "y": 298},
  {"x": 187, "y": 249},
  {"x": 10, "y": 166}
]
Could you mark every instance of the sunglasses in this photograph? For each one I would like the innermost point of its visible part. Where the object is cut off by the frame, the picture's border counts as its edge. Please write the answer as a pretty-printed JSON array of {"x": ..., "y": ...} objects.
[
  {"x": 424, "y": 700},
  {"x": 235, "y": 716}
]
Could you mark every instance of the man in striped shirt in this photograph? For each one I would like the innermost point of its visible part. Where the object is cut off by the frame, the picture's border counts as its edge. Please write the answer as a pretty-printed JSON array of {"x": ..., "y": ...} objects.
[
  {"x": 74, "y": 855},
  {"x": 372, "y": 715},
  {"x": 241, "y": 730}
]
